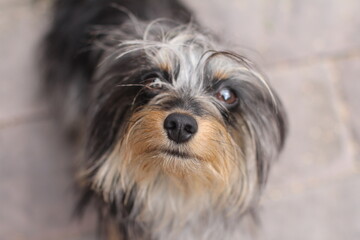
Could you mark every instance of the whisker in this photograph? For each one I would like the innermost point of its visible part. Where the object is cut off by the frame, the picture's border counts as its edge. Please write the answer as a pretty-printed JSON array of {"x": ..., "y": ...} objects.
[{"x": 130, "y": 85}]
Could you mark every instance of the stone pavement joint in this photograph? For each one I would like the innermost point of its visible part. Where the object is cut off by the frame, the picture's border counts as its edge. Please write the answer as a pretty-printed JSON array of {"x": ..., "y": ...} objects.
[
  {"x": 25, "y": 119},
  {"x": 335, "y": 57},
  {"x": 343, "y": 112}
]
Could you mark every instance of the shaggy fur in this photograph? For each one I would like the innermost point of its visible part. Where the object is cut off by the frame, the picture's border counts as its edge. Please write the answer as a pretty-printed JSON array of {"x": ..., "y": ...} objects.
[{"x": 116, "y": 70}]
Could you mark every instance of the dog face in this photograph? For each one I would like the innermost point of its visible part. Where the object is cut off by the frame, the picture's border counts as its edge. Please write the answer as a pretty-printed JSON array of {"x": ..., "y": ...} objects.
[{"x": 172, "y": 113}]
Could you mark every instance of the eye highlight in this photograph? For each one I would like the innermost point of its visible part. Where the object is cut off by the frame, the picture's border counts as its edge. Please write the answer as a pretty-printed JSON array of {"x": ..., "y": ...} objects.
[{"x": 227, "y": 96}]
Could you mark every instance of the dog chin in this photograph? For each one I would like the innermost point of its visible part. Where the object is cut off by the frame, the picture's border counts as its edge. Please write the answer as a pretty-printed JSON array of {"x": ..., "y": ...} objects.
[{"x": 178, "y": 155}]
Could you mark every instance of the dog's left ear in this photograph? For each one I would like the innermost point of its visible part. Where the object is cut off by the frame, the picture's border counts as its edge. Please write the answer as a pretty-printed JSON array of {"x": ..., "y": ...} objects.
[{"x": 267, "y": 123}]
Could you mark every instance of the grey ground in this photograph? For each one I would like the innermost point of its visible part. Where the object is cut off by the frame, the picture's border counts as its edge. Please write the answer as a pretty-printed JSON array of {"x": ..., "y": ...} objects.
[{"x": 309, "y": 49}]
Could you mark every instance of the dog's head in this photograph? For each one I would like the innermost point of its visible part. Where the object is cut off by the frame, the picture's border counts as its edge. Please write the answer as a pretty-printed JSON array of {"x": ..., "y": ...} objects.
[{"x": 171, "y": 111}]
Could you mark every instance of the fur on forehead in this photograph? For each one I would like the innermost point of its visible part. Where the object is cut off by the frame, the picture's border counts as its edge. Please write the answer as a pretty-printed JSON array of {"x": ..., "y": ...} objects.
[{"x": 192, "y": 58}]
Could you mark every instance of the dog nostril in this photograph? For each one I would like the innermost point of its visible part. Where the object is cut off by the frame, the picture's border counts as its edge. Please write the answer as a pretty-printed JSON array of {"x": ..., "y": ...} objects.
[
  {"x": 180, "y": 127},
  {"x": 170, "y": 124},
  {"x": 189, "y": 128}
]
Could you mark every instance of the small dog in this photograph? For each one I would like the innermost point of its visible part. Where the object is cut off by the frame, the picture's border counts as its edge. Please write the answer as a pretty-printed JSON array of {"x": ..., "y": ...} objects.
[{"x": 178, "y": 135}]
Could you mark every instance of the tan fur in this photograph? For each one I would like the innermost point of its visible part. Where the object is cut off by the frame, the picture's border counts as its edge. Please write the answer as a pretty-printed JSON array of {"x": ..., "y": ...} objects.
[
  {"x": 113, "y": 232},
  {"x": 213, "y": 167},
  {"x": 221, "y": 74}
]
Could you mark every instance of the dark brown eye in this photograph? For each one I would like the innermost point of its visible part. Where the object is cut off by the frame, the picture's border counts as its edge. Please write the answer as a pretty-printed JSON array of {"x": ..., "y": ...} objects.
[{"x": 227, "y": 96}]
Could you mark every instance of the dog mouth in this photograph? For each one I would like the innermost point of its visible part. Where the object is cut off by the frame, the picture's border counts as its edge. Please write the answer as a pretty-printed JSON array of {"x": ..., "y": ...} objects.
[{"x": 176, "y": 153}]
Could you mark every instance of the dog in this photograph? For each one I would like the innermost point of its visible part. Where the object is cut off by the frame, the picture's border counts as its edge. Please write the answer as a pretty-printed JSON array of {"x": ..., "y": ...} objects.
[{"x": 177, "y": 134}]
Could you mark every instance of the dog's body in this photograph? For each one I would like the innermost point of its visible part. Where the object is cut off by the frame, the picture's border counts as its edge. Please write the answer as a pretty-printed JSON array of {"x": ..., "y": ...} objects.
[{"x": 178, "y": 135}]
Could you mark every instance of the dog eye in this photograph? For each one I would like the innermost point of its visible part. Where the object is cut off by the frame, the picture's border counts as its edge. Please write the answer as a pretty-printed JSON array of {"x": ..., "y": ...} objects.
[
  {"x": 227, "y": 96},
  {"x": 153, "y": 82}
]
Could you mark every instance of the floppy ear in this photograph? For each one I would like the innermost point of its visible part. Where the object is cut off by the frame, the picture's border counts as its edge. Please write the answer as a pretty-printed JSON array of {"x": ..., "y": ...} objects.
[
  {"x": 266, "y": 120},
  {"x": 115, "y": 86}
]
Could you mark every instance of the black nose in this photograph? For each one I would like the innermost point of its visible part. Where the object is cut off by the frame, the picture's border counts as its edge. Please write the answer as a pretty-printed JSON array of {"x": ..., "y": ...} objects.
[{"x": 180, "y": 127}]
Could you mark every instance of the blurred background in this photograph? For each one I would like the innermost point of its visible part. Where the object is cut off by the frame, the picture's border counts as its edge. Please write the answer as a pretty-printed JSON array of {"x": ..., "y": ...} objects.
[{"x": 310, "y": 49}]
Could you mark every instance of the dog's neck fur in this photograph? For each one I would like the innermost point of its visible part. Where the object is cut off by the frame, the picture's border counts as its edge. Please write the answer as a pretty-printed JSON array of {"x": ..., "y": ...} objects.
[{"x": 163, "y": 214}]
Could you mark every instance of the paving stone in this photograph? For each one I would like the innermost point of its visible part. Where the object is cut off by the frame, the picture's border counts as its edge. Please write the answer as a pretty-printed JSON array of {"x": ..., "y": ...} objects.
[
  {"x": 315, "y": 149},
  {"x": 11, "y": 3},
  {"x": 284, "y": 29},
  {"x": 88, "y": 237},
  {"x": 349, "y": 72},
  {"x": 20, "y": 29},
  {"x": 36, "y": 184},
  {"x": 330, "y": 212}
]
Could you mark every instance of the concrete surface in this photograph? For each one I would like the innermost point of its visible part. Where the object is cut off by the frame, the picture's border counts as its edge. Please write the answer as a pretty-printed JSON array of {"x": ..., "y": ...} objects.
[{"x": 309, "y": 49}]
